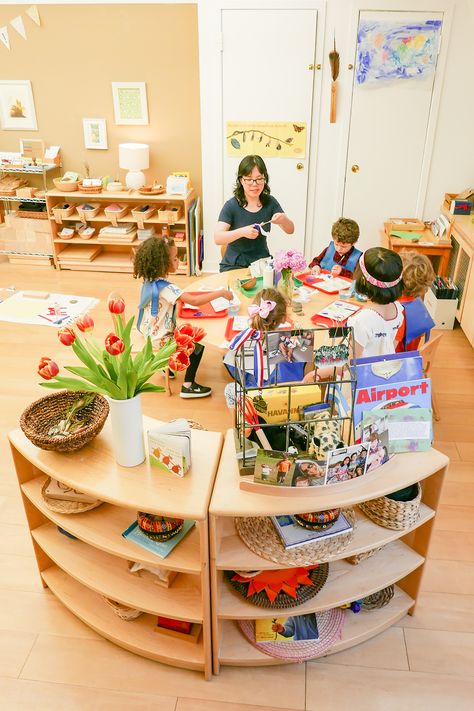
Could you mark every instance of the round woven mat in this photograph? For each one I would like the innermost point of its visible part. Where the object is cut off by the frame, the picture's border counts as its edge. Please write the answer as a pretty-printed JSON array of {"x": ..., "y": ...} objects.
[
  {"x": 259, "y": 534},
  {"x": 330, "y": 624},
  {"x": 67, "y": 507},
  {"x": 317, "y": 575}
]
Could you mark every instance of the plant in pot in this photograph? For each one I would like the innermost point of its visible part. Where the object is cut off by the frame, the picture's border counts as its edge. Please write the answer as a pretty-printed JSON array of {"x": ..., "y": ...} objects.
[{"x": 113, "y": 372}]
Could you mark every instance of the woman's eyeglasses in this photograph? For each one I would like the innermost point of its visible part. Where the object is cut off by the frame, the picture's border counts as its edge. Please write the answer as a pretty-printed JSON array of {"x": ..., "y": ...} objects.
[{"x": 256, "y": 181}]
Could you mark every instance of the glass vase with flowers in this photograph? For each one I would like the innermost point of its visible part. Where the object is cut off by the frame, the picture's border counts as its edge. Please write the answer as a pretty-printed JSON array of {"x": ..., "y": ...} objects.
[{"x": 287, "y": 262}]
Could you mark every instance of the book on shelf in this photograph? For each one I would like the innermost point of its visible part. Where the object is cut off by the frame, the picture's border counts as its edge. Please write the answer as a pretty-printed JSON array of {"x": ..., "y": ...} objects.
[
  {"x": 293, "y": 535},
  {"x": 160, "y": 548},
  {"x": 287, "y": 629},
  {"x": 109, "y": 237},
  {"x": 122, "y": 229},
  {"x": 169, "y": 447},
  {"x": 57, "y": 490},
  {"x": 182, "y": 629}
]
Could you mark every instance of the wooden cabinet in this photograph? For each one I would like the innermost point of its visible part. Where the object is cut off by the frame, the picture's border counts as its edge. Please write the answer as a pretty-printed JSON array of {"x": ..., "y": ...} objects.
[
  {"x": 461, "y": 270},
  {"x": 400, "y": 562},
  {"x": 79, "y": 572},
  {"x": 115, "y": 253}
]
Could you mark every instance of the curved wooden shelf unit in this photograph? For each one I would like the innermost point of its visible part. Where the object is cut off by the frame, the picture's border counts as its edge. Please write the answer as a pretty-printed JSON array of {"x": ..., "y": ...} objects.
[
  {"x": 400, "y": 561},
  {"x": 235, "y": 649},
  {"x": 136, "y": 636}
]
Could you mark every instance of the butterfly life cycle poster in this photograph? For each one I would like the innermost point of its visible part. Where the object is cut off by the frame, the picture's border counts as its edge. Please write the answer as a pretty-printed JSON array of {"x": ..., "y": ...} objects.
[{"x": 279, "y": 139}]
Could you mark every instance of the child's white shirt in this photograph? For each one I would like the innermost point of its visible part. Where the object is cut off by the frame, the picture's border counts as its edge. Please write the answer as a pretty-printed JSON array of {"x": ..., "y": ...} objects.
[
  {"x": 375, "y": 334},
  {"x": 162, "y": 324}
]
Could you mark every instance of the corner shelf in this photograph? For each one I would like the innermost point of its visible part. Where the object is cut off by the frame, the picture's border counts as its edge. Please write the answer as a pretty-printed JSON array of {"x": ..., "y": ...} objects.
[{"x": 400, "y": 561}]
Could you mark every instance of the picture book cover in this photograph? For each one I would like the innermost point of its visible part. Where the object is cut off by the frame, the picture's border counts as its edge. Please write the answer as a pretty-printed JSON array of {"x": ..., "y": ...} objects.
[
  {"x": 293, "y": 535},
  {"x": 408, "y": 430},
  {"x": 169, "y": 447},
  {"x": 287, "y": 629},
  {"x": 346, "y": 463},
  {"x": 273, "y": 467},
  {"x": 161, "y": 548}
]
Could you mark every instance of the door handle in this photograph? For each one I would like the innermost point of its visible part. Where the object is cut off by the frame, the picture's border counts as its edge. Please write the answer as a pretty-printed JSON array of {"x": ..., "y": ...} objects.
[
  {"x": 355, "y": 168},
  {"x": 299, "y": 166}
]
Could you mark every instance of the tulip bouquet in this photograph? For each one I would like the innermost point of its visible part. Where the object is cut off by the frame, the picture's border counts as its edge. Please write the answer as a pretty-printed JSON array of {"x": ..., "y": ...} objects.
[{"x": 112, "y": 371}]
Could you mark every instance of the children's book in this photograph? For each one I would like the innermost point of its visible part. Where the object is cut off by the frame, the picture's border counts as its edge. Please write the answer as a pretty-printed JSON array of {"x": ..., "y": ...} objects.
[
  {"x": 63, "y": 492},
  {"x": 293, "y": 535},
  {"x": 160, "y": 548},
  {"x": 287, "y": 629},
  {"x": 337, "y": 312},
  {"x": 169, "y": 447}
]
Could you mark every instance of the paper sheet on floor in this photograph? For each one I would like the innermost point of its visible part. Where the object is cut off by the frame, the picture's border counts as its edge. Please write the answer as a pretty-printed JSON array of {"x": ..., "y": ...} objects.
[{"x": 57, "y": 310}]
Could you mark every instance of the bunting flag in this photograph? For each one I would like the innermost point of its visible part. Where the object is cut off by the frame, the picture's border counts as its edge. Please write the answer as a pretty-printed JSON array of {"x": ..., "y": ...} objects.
[
  {"x": 17, "y": 24},
  {"x": 34, "y": 14},
  {"x": 4, "y": 36}
]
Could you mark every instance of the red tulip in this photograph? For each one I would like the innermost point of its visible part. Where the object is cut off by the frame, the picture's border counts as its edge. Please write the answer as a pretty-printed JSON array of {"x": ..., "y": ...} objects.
[
  {"x": 183, "y": 339},
  {"x": 85, "y": 323},
  {"x": 114, "y": 345},
  {"x": 47, "y": 368},
  {"x": 116, "y": 305},
  {"x": 66, "y": 335},
  {"x": 186, "y": 329},
  {"x": 198, "y": 334},
  {"x": 178, "y": 361}
]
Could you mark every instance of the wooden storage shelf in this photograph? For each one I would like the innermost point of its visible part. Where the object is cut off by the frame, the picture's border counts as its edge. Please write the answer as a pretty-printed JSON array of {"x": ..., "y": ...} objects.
[
  {"x": 236, "y": 650},
  {"x": 400, "y": 561},
  {"x": 137, "y": 636},
  {"x": 114, "y": 260},
  {"x": 79, "y": 571}
]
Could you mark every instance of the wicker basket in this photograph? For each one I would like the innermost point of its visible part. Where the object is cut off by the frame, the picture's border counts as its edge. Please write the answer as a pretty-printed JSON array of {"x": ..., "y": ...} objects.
[
  {"x": 66, "y": 186},
  {"x": 63, "y": 506},
  {"x": 396, "y": 515},
  {"x": 90, "y": 189},
  {"x": 378, "y": 599},
  {"x": 85, "y": 215},
  {"x": 142, "y": 217},
  {"x": 42, "y": 414},
  {"x": 32, "y": 214},
  {"x": 114, "y": 215},
  {"x": 122, "y": 611},
  {"x": 60, "y": 213},
  {"x": 356, "y": 559},
  {"x": 152, "y": 190},
  {"x": 26, "y": 192}
]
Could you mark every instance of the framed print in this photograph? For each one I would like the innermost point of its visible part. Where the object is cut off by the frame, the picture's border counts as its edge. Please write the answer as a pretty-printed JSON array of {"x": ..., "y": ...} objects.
[
  {"x": 17, "y": 108},
  {"x": 32, "y": 148},
  {"x": 95, "y": 133},
  {"x": 130, "y": 104}
]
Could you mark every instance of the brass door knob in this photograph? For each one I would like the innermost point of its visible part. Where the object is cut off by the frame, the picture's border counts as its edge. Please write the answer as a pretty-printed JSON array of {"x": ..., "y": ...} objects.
[
  {"x": 299, "y": 166},
  {"x": 311, "y": 67},
  {"x": 355, "y": 168}
]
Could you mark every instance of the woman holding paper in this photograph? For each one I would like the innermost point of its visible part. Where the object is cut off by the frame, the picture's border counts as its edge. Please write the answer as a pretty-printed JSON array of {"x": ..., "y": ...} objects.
[{"x": 245, "y": 220}]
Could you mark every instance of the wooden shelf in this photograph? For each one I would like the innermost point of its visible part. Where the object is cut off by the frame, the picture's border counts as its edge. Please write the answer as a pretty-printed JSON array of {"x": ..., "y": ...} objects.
[
  {"x": 103, "y": 527},
  {"x": 345, "y": 583},
  {"x": 236, "y": 650},
  {"x": 136, "y": 636},
  {"x": 123, "y": 196},
  {"x": 101, "y": 217},
  {"x": 81, "y": 242},
  {"x": 108, "y": 575},
  {"x": 234, "y": 554}
]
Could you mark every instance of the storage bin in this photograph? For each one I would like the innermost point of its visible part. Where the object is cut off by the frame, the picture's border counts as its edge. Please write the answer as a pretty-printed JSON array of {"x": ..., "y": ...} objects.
[
  {"x": 85, "y": 215},
  {"x": 60, "y": 212},
  {"x": 442, "y": 311},
  {"x": 115, "y": 214},
  {"x": 142, "y": 217}
]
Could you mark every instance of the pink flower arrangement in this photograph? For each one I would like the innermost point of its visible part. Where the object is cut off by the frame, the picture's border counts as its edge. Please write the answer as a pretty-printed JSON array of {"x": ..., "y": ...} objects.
[{"x": 289, "y": 259}]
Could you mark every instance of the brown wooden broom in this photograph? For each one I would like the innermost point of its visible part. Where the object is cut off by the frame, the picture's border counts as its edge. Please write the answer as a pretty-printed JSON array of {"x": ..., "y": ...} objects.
[{"x": 334, "y": 62}]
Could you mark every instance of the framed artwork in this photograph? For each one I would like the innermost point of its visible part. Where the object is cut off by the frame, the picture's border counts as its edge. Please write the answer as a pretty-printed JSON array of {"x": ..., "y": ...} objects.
[
  {"x": 95, "y": 133},
  {"x": 17, "y": 108},
  {"x": 32, "y": 148},
  {"x": 130, "y": 104}
]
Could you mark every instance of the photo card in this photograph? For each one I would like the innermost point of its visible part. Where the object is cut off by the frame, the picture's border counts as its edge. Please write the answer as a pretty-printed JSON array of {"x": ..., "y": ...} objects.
[
  {"x": 287, "y": 629},
  {"x": 346, "y": 463},
  {"x": 274, "y": 467},
  {"x": 294, "y": 346},
  {"x": 309, "y": 472}
]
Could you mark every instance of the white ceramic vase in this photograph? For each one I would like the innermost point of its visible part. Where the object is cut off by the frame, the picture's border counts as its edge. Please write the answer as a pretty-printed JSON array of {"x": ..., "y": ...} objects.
[{"x": 127, "y": 431}]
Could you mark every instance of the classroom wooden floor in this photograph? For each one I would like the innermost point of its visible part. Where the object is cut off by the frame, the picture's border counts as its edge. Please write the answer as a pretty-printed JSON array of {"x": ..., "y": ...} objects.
[{"x": 50, "y": 660}]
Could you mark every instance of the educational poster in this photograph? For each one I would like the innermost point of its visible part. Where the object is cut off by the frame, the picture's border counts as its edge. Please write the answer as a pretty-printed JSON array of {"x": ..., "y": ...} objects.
[
  {"x": 279, "y": 139},
  {"x": 392, "y": 50}
]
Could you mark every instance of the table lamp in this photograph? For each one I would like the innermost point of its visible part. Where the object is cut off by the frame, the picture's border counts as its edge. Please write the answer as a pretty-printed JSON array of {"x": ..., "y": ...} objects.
[{"x": 134, "y": 157}]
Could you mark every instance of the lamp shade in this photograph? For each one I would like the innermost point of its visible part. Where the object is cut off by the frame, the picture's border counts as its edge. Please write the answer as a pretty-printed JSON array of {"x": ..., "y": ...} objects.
[{"x": 134, "y": 156}]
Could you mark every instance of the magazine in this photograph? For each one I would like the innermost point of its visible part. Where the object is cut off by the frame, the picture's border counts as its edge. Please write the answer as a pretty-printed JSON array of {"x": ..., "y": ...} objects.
[
  {"x": 287, "y": 629},
  {"x": 160, "y": 548},
  {"x": 293, "y": 535},
  {"x": 169, "y": 447}
]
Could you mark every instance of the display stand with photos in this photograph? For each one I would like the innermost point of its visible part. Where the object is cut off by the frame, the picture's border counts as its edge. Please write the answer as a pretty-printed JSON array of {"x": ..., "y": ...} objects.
[{"x": 84, "y": 558}]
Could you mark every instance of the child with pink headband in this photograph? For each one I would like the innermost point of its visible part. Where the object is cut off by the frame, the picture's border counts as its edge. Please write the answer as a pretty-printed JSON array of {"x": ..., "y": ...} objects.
[{"x": 378, "y": 276}]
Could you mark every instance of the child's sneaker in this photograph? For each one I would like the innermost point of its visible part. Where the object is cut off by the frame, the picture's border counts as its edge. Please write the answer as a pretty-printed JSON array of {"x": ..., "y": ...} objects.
[{"x": 195, "y": 390}]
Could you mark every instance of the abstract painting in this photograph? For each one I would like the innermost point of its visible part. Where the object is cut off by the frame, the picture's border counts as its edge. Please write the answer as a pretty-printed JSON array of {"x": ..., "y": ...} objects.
[
  {"x": 130, "y": 103},
  {"x": 393, "y": 50}
]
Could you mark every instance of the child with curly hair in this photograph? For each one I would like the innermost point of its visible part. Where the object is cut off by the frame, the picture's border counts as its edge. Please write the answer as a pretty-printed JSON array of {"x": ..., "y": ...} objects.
[
  {"x": 155, "y": 259},
  {"x": 418, "y": 275},
  {"x": 340, "y": 257}
]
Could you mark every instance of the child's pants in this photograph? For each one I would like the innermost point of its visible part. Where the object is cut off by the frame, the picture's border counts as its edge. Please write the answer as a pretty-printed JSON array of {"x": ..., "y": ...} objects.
[{"x": 194, "y": 361}]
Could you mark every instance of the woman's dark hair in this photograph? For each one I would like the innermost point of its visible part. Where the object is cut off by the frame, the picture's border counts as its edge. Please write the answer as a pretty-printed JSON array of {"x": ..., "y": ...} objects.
[
  {"x": 152, "y": 260},
  {"x": 246, "y": 166},
  {"x": 385, "y": 265}
]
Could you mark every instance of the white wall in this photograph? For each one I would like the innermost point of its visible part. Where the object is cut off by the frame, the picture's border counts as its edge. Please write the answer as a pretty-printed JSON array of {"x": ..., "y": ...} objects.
[{"x": 452, "y": 164}]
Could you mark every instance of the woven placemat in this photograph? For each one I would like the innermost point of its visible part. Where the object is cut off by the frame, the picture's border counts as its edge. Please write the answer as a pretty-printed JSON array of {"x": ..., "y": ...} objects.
[
  {"x": 67, "y": 507},
  {"x": 318, "y": 577},
  {"x": 259, "y": 534},
  {"x": 330, "y": 624}
]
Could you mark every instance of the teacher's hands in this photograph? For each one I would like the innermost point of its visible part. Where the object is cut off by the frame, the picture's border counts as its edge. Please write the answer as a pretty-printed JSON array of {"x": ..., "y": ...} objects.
[
  {"x": 279, "y": 218},
  {"x": 249, "y": 232}
]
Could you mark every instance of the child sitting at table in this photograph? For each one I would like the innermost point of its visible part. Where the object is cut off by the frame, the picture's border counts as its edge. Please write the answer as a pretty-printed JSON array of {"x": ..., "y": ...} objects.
[
  {"x": 155, "y": 259},
  {"x": 340, "y": 257},
  {"x": 376, "y": 327},
  {"x": 418, "y": 275}
]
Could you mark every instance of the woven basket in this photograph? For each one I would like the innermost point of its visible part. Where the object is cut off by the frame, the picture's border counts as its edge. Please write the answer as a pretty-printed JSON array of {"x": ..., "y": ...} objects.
[
  {"x": 66, "y": 186},
  {"x": 396, "y": 515},
  {"x": 42, "y": 414},
  {"x": 67, "y": 507},
  {"x": 88, "y": 214},
  {"x": 378, "y": 599},
  {"x": 122, "y": 611},
  {"x": 32, "y": 215},
  {"x": 259, "y": 534},
  {"x": 330, "y": 624},
  {"x": 356, "y": 559},
  {"x": 90, "y": 189},
  {"x": 317, "y": 575}
]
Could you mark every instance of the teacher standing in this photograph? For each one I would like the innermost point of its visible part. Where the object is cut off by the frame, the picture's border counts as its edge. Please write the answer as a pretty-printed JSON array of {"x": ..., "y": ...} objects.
[{"x": 251, "y": 205}]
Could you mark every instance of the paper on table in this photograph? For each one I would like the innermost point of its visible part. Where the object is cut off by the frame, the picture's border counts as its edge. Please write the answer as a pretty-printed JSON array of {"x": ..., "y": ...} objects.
[
  {"x": 220, "y": 304},
  {"x": 406, "y": 235}
]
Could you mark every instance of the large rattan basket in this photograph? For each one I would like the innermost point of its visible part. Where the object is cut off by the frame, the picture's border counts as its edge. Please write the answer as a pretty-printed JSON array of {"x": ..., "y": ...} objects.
[
  {"x": 42, "y": 414},
  {"x": 389, "y": 513}
]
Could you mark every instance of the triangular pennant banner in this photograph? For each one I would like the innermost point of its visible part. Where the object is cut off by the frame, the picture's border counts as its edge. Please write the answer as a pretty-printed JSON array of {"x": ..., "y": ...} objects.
[
  {"x": 4, "y": 37},
  {"x": 34, "y": 14},
  {"x": 17, "y": 24}
]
